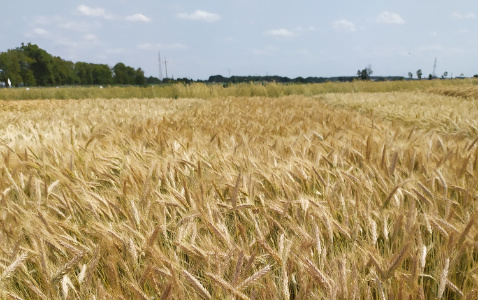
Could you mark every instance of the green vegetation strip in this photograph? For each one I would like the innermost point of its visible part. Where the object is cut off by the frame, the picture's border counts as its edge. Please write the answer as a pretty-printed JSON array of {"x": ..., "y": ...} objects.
[{"x": 209, "y": 91}]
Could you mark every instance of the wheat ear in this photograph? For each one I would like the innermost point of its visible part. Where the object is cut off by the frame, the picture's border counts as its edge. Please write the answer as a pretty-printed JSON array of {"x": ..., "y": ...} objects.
[{"x": 198, "y": 287}]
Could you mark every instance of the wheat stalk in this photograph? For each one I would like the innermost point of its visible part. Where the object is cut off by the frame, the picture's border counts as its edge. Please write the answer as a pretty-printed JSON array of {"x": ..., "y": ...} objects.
[
  {"x": 198, "y": 287},
  {"x": 443, "y": 279},
  {"x": 254, "y": 278},
  {"x": 10, "y": 269}
]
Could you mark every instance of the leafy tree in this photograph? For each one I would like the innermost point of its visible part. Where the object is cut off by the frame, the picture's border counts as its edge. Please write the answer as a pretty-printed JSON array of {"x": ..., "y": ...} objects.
[
  {"x": 139, "y": 77},
  {"x": 410, "y": 75},
  {"x": 419, "y": 74},
  {"x": 10, "y": 67},
  {"x": 102, "y": 74},
  {"x": 153, "y": 80},
  {"x": 64, "y": 72},
  {"x": 120, "y": 73},
  {"x": 445, "y": 74},
  {"x": 42, "y": 66},
  {"x": 365, "y": 73}
]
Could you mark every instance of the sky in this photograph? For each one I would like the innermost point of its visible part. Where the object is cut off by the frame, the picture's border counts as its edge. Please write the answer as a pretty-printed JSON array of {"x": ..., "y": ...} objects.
[{"x": 320, "y": 38}]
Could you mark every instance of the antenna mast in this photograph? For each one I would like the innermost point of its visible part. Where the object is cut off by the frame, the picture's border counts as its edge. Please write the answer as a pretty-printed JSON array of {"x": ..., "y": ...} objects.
[
  {"x": 160, "y": 69},
  {"x": 434, "y": 68}
]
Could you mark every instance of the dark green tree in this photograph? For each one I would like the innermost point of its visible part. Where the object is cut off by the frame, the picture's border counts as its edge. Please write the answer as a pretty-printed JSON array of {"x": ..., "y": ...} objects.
[
  {"x": 419, "y": 74},
  {"x": 153, "y": 80},
  {"x": 10, "y": 67},
  {"x": 42, "y": 66},
  {"x": 64, "y": 72},
  {"x": 120, "y": 74},
  {"x": 102, "y": 74},
  {"x": 139, "y": 77},
  {"x": 365, "y": 73}
]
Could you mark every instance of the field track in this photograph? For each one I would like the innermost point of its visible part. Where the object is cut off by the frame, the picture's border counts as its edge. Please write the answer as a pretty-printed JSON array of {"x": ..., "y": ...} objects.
[{"x": 332, "y": 196}]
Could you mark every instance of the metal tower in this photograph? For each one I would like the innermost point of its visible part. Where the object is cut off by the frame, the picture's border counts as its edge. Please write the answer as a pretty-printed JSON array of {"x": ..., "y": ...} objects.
[{"x": 434, "y": 68}]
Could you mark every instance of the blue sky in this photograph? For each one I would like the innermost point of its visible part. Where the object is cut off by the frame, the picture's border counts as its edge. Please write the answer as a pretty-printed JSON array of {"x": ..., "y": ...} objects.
[{"x": 286, "y": 38}]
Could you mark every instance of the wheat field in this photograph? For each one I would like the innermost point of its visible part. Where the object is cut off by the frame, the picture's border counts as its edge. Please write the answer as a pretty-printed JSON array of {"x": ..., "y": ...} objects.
[{"x": 330, "y": 196}]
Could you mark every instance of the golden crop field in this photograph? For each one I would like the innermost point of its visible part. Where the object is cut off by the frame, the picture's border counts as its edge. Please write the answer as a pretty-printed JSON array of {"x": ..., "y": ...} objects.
[{"x": 364, "y": 191}]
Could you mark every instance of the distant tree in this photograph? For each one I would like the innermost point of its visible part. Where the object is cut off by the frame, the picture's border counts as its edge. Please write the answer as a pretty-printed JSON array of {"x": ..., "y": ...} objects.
[
  {"x": 64, "y": 72},
  {"x": 102, "y": 74},
  {"x": 419, "y": 74},
  {"x": 153, "y": 80},
  {"x": 120, "y": 74},
  {"x": 410, "y": 75},
  {"x": 10, "y": 67},
  {"x": 365, "y": 73},
  {"x": 445, "y": 74},
  {"x": 430, "y": 76},
  {"x": 475, "y": 76},
  {"x": 139, "y": 77},
  {"x": 217, "y": 78},
  {"x": 42, "y": 66}
]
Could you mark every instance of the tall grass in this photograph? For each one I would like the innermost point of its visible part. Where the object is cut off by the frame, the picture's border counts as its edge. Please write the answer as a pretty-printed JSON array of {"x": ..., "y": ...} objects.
[
  {"x": 209, "y": 91},
  {"x": 233, "y": 198}
]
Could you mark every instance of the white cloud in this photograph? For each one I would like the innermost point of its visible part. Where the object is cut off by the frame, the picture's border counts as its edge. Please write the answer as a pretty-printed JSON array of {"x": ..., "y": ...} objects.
[
  {"x": 80, "y": 26},
  {"x": 344, "y": 25},
  {"x": 40, "y": 21},
  {"x": 149, "y": 46},
  {"x": 460, "y": 16},
  {"x": 200, "y": 15},
  {"x": 280, "y": 33},
  {"x": 91, "y": 37},
  {"x": 269, "y": 50},
  {"x": 231, "y": 40},
  {"x": 390, "y": 18},
  {"x": 138, "y": 18},
  {"x": 41, "y": 32},
  {"x": 310, "y": 28},
  {"x": 93, "y": 12}
]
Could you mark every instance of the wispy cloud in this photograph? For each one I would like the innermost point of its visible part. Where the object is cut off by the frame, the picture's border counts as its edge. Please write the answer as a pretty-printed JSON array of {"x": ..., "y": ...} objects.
[
  {"x": 200, "y": 15},
  {"x": 138, "y": 18},
  {"x": 269, "y": 50},
  {"x": 390, "y": 18},
  {"x": 344, "y": 25},
  {"x": 93, "y": 12},
  {"x": 460, "y": 16},
  {"x": 41, "y": 32},
  {"x": 280, "y": 33},
  {"x": 80, "y": 26},
  {"x": 149, "y": 46},
  {"x": 91, "y": 37},
  {"x": 310, "y": 28}
]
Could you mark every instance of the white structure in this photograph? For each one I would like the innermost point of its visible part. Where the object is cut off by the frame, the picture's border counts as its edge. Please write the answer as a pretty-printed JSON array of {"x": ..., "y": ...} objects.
[{"x": 9, "y": 82}]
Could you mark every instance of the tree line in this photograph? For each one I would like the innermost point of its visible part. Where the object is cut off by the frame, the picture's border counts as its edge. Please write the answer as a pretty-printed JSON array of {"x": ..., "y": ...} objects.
[{"x": 29, "y": 65}]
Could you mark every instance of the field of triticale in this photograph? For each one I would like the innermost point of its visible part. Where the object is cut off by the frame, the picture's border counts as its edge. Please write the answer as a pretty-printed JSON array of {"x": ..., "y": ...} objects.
[{"x": 329, "y": 196}]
